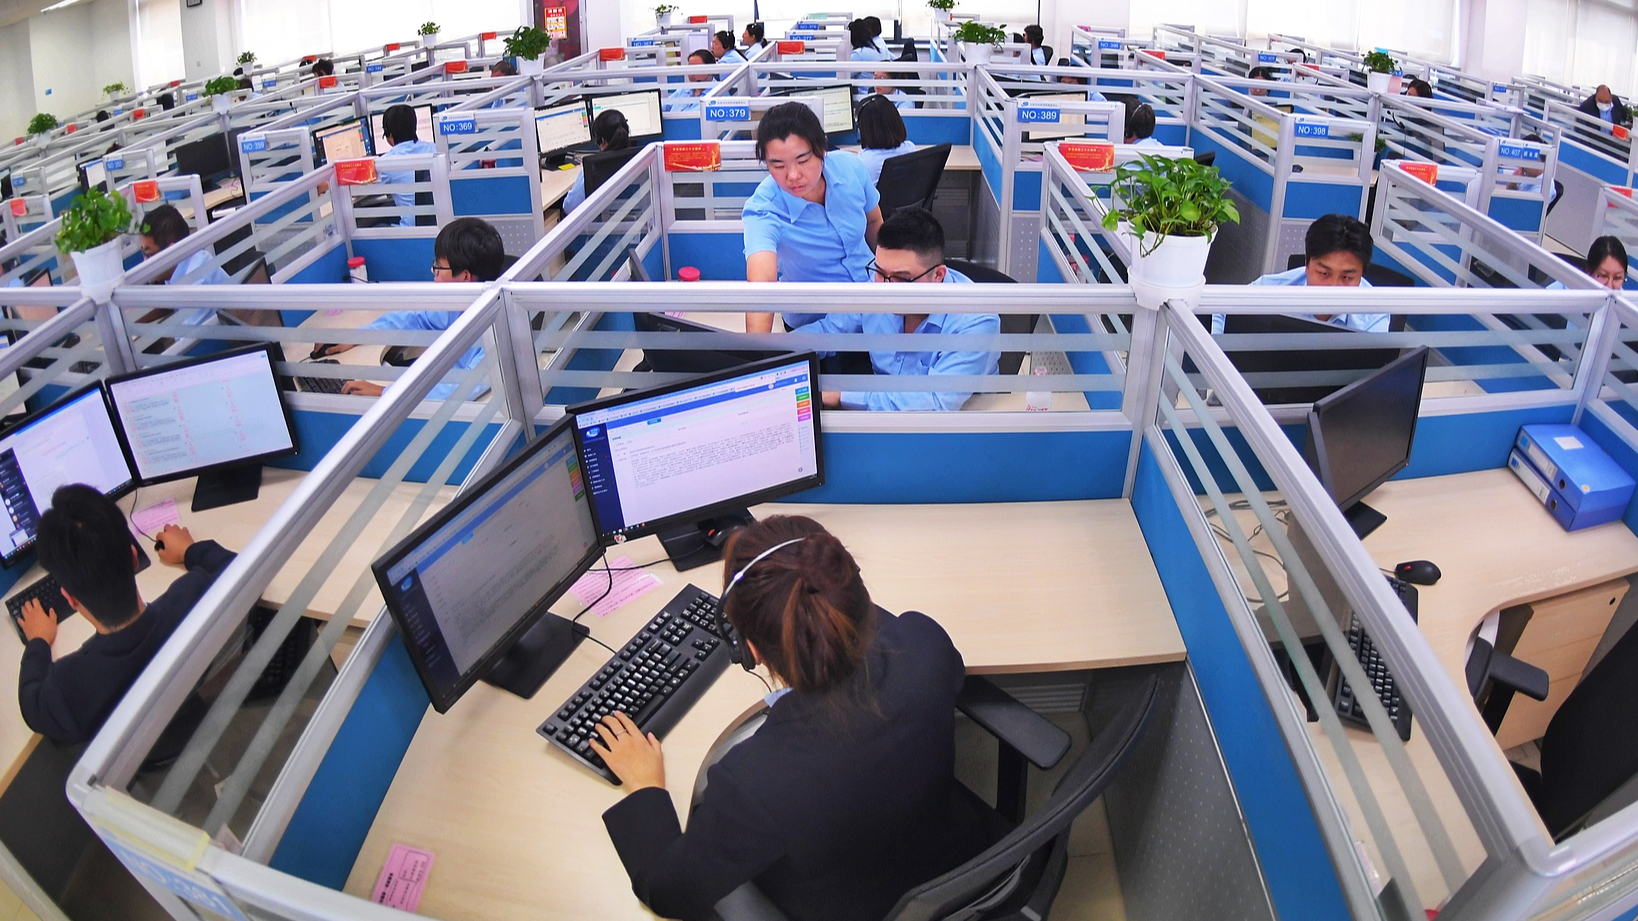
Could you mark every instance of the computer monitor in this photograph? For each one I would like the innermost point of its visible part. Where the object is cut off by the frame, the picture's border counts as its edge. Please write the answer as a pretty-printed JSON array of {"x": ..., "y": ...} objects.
[
  {"x": 684, "y": 460},
  {"x": 598, "y": 167},
  {"x": 1070, "y": 124},
  {"x": 9, "y": 385},
  {"x": 1361, "y": 435},
  {"x": 38, "y": 278},
  {"x": 1252, "y": 362},
  {"x": 469, "y": 590},
  {"x": 94, "y": 175},
  {"x": 561, "y": 127},
  {"x": 346, "y": 141},
  {"x": 73, "y": 441},
  {"x": 642, "y": 112},
  {"x": 217, "y": 417},
  {"x": 691, "y": 361},
  {"x": 205, "y": 158},
  {"x": 423, "y": 128},
  {"x": 838, "y": 115}
]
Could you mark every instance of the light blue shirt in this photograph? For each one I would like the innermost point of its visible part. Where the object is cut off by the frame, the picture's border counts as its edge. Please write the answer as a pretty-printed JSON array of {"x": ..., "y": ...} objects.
[
  {"x": 577, "y": 193},
  {"x": 1298, "y": 277},
  {"x": 215, "y": 276},
  {"x": 1152, "y": 141},
  {"x": 901, "y": 100},
  {"x": 874, "y": 157},
  {"x": 685, "y": 98},
  {"x": 433, "y": 320},
  {"x": 815, "y": 242},
  {"x": 924, "y": 363},
  {"x": 406, "y": 199},
  {"x": 731, "y": 56}
]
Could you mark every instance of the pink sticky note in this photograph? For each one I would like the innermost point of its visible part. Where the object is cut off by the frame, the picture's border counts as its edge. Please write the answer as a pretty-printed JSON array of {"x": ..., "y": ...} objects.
[
  {"x": 629, "y": 584},
  {"x": 149, "y": 520},
  {"x": 404, "y": 878}
]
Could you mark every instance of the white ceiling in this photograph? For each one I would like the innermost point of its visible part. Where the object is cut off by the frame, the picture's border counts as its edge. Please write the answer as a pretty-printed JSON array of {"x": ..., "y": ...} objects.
[{"x": 15, "y": 11}]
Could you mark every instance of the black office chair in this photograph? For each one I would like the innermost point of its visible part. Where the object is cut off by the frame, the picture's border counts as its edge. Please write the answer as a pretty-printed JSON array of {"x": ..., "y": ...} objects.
[
  {"x": 1010, "y": 322},
  {"x": 1018, "y": 876},
  {"x": 912, "y": 178},
  {"x": 424, "y": 198},
  {"x": 1589, "y": 754},
  {"x": 1206, "y": 157},
  {"x": 1558, "y": 196}
]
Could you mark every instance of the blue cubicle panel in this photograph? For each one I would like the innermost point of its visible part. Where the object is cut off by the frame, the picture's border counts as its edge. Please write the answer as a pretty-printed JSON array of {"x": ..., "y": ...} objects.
[
  {"x": 1522, "y": 214},
  {"x": 680, "y": 129},
  {"x": 486, "y": 196},
  {"x": 591, "y": 360},
  {"x": 718, "y": 256},
  {"x": 1599, "y": 167},
  {"x": 317, "y": 432},
  {"x": 1623, "y": 453},
  {"x": 1481, "y": 354},
  {"x": 395, "y": 260},
  {"x": 927, "y": 130}
]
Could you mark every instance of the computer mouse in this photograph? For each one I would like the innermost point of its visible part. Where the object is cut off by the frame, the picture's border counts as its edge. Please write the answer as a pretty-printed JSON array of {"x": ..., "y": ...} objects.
[
  {"x": 158, "y": 544},
  {"x": 1418, "y": 572}
]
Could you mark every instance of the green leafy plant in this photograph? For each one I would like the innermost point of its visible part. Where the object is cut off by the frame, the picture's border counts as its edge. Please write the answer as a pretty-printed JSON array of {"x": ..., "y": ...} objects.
[
  {"x": 977, "y": 33},
  {"x": 665, "y": 8},
  {"x": 115, "y": 89},
  {"x": 41, "y": 123},
  {"x": 1378, "y": 62},
  {"x": 429, "y": 28},
  {"x": 1169, "y": 198},
  {"x": 96, "y": 217},
  {"x": 245, "y": 58},
  {"x": 217, "y": 86},
  {"x": 527, "y": 43},
  {"x": 945, "y": 5}
]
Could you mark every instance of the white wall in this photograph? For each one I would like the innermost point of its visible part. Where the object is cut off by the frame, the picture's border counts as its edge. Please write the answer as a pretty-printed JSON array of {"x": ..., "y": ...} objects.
[
  {"x": 61, "y": 53},
  {"x": 207, "y": 45},
  {"x": 16, "y": 82},
  {"x": 73, "y": 52},
  {"x": 1493, "y": 43},
  {"x": 112, "y": 54}
]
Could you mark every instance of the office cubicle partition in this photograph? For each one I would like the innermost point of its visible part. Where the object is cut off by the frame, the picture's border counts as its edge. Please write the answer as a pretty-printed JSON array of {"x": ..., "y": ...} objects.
[{"x": 1593, "y": 157}]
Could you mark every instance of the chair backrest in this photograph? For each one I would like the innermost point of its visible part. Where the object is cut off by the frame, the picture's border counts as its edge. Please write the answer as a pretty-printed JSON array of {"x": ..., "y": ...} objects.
[
  {"x": 912, "y": 178},
  {"x": 1558, "y": 196},
  {"x": 1010, "y": 322},
  {"x": 985, "y": 877},
  {"x": 424, "y": 198},
  {"x": 1590, "y": 748}
]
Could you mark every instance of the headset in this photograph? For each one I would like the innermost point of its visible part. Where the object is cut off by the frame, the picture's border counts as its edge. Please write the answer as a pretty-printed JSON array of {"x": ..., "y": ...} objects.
[{"x": 738, "y": 652}]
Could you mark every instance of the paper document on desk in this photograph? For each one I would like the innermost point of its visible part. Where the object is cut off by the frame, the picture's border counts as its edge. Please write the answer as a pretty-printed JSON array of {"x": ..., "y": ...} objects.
[
  {"x": 404, "y": 878},
  {"x": 149, "y": 520},
  {"x": 629, "y": 584}
]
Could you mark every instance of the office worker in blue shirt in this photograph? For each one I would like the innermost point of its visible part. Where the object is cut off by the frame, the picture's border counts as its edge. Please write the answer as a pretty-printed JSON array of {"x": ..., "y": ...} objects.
[
  {"x": 1140, "y": 124},
  {"x": 1606, "y": 264},
  {"x": 722, "y": 48},
  {"x": 1338, "y": 249},
  {"x": 398, "y": 130},
  {"x": 467, "y": 249},
  {"x": 882, "y": 134},
  {"x": 164, "y": 227},
  {"x": 753, "y": 39},
  {"x": 611, "y": 131},
  {"x": 814, "y": 218},
  {"x": 910, "y": 248}
]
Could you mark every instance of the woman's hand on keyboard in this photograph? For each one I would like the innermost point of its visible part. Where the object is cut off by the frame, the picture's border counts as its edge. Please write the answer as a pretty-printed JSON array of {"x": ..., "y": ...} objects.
[
  {"x": 38, "y": 623},
  {"x": 635, "y": 758}
]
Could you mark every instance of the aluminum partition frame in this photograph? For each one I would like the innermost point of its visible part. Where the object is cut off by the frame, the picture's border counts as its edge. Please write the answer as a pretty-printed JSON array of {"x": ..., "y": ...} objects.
[
  {"x": 1617, "y": 216},
  {"x": 1591, "y": 159}
]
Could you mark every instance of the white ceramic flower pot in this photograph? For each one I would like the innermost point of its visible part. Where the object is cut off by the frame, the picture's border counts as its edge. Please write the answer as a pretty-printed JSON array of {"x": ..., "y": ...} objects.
[
  {"x": 1176, "y": 268},
  {"x": 663, "y": 19},
  {"x": 221, "y": 102},
  {"x": 429, "y": 40},
  {"x": 1378, "y": 82},
  {"x": 100, "y": 268},
  {"x": 976, "y": 53},
  {"x": 943, "y": 15},
  {"x": 530, "y": 66}
]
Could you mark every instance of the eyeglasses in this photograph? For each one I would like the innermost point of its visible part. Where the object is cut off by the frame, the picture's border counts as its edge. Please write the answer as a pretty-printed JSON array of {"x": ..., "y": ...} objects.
[
  {"x": 436, "y": 268},
  {"x": 900, "y": 279}
]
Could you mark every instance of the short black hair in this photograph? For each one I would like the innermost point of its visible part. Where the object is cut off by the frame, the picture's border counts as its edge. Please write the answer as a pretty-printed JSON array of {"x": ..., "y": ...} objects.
[
  {"x": 470, "y": 244},
  {"x": 1034, "y": 34},
  {"x": 85, "y": 545},
  {"x": 756, "y": 31},
  {"x": 502, "y": 68},
  {"x": 1336, "y": 233},
  {"x": 324, "y": 67},
  {"x": 858, "y": 34},
  {"x": 875, "y": 24},
  {"x": 245, "y": 84},
  {"x": 726, "y": 38},
  {"x": 166, "y": 225},
  {"x": 1605, "y": 248},
  {"x": 1140, "y": 119},
  {"x": 880, "y": 125},
  {"x": 704, "y": 54},
  {"x": 399, "y": 124},
  {"x": 611, "y": 129},
  {"x": 913, "y": 229},
  {"x": 1421, "y": 88},
  {"x": 102, "y": 115},
  {"x": 786, "y": 120},
  {"x": 1260, "y": 73},
  {"x": 166, "y": 100}
]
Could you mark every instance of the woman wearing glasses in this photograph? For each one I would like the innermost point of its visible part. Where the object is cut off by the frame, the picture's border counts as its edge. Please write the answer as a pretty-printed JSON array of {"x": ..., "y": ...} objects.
[
  {"x": 814, "y": 218},
  {"x": 841, "y": 801}
]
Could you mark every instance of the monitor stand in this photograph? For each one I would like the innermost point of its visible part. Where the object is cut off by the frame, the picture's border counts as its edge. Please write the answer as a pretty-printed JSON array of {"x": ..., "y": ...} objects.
[
  {"x": 1364, "y": 519},
  {"x": 228, "y": 486},
  {"x": 700, "y": 543},
  {"x": 536, "y": 655}
]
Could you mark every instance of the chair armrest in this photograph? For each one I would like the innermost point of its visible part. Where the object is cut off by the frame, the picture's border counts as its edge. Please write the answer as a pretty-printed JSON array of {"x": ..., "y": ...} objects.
[
  {"x": 747, "y": 903},
  {"x": 1031, "y": 734},
  {"x": 1486, "y": 663}
]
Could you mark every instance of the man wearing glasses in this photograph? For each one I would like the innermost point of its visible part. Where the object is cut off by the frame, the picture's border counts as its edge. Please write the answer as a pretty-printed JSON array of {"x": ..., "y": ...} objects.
[{"x": 910, "y": 249}]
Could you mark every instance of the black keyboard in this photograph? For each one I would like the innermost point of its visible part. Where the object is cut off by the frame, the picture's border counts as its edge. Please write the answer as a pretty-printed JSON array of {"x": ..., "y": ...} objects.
[
  {"x": 321, "y": 384},
  {"x": 1376, "y": 670},
  {"x": 654, "y": 679},
  {"x": 51, "y": 596}
]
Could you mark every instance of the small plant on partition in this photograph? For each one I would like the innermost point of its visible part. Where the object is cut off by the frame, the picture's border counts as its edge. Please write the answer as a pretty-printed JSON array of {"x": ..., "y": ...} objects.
[{"x": 1169, "y": 198}]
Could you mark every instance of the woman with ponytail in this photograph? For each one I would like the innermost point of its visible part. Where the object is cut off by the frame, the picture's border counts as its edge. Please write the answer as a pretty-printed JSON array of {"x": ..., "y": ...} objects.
[
  {"x": 841, "y": 802},
  {"x": 611, "y": 131}
]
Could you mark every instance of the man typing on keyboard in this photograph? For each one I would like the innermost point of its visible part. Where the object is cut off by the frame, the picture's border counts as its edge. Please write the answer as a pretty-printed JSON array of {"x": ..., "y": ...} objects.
[{"x": 85, "y": 545}]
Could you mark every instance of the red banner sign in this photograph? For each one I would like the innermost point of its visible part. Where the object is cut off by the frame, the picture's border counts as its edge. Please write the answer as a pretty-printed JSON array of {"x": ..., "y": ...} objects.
[
  {"x": 356, "y": 172},
  {"x": 1620, "y": 133},
  {"x": 1621, "y": 190},
  {"x": 611, "y": 54},
  {"x": 72, "y": 128},
  {"x": 785, "y": 47},
  {"x": 487, "y": 36},
  {"x": 454, "y": 67},
  {"x": 327, "y": 82},
  {"x": 1153, "y": 52},
  {"x": 693, "y": 19},
  {"x": 391, "y": 47},
  {"x": 139, "y": 113},
  {"x": 693, "y": 157},
  {"x": 145, "y": 191},
  {"x": 1089, "y": 158},
  {"x": 19, "y": 208},
  {"x": 1427, "y": 172}
]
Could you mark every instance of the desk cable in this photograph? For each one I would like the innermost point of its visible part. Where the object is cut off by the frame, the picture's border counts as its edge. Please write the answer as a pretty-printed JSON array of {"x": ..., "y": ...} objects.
[
  {"x": 132, "y": 515},
  {"x": 1282, "y": 514}
]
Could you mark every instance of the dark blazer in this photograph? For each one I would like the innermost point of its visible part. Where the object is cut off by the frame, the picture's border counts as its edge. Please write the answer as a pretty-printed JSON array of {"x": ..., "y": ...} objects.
[
  {"x": 1623, "y": 115},
  {"x": 834, "y": 816},
  {"x": 68, "y": 700}
]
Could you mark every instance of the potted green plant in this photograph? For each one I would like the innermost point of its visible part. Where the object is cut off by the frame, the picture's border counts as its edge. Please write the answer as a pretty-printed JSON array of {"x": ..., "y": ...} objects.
[
  {"x": 662, "y": 14},
  {"x": 115, "y": 90},
  {"x": 41, "y": 124},
  {"x": 979, "y": 41},
  {"x": 1379, "y": 68},
  {"x": 1173, "y": 209},
  {"x": 429, "y": 33},
  {"x": 526, "y": 46},
  {"x": 219, "y": 90},
  {"x": 91, "y": 234},
  {"x": 246, "y": 59},
  {"x": 942, "y": 9}
]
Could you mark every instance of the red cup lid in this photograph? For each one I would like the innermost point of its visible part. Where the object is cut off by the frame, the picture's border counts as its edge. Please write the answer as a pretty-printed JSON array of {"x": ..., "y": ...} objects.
[
  {"x": 688, "y": 273},
  {"x": 355, "y": 262}
]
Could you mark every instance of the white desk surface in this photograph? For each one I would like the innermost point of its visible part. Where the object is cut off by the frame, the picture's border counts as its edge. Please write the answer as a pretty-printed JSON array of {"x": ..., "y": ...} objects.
[
  {"x": 516, "y": 826},
  {"x": 555, "y": 184}
]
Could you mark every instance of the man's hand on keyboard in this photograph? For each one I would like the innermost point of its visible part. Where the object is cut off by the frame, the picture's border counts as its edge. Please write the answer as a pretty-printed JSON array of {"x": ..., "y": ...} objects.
[
  {"x": 38, "y": 623},
  {"x": 635, "y": 758},
  {"x": 363, "y": 388}
]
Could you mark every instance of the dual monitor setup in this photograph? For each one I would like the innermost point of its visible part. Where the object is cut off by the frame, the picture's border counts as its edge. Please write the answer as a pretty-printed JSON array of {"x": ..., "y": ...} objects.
[
  {"x": 564, "y": 126},
  {"x": 217, "y": 417},
  {"x": 471, "y": 588},
  {"x": 354, "y": 138}
]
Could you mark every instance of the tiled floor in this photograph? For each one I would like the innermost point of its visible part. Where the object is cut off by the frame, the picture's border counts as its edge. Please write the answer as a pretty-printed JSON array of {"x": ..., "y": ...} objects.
[{"x": 12, "y": 908}]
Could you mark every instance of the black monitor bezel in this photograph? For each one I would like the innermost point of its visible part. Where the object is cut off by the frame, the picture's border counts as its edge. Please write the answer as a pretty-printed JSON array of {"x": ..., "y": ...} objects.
[
  {"x": 636, "y": 140},
  {"x": 1314, "y": 451},
  {"x": 585, "y": 106},
  {"x": 744, "y": 500},
  {"x": 467, "y": 498},
  {"x": 319, "y": 158},
  {"x": 267, "y": 348},
  {"x": 230, "y": 160},
  {"x": 852, "y": 107},
  {"x": 61, "y": 404}
]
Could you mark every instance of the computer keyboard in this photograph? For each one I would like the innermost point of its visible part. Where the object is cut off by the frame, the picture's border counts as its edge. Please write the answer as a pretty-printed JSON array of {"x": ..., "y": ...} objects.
[
  {"x": 1376, "y": 670},
  {"x": 50, "y": 594},
  {"x": 321, "y": 384},
  {"x": 654, "y": 679}
]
